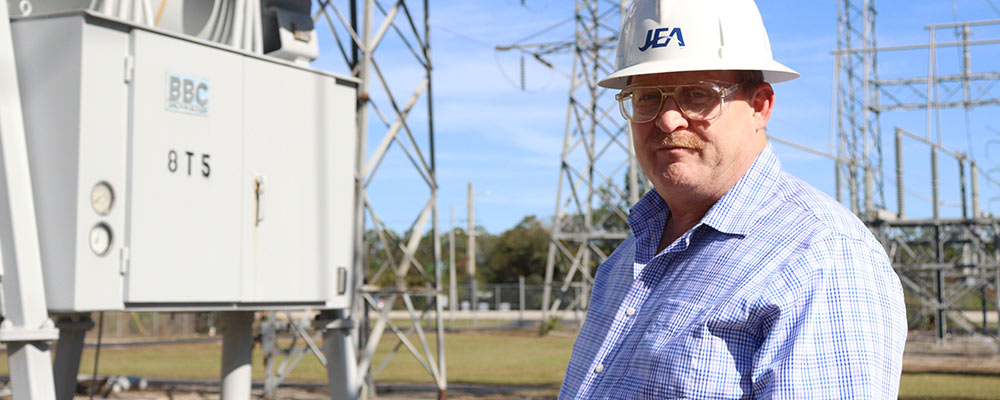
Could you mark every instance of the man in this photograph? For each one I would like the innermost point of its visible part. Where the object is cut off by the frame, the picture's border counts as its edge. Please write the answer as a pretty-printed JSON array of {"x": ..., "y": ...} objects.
[{"x": 739, "y": 280}]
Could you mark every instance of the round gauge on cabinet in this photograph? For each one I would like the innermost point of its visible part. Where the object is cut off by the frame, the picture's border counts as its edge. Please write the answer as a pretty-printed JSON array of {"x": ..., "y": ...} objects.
[
  {"x": 100, "y": 239},
  {"x": 102, "y": 197}
]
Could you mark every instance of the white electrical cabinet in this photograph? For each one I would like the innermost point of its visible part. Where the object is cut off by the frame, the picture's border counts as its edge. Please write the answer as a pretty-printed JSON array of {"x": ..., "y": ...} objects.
[{"x": 172, "y": 173}]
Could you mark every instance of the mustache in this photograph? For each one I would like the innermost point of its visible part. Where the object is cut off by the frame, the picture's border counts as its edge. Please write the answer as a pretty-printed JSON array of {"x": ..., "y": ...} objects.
[{"x": 675, "y": 139}]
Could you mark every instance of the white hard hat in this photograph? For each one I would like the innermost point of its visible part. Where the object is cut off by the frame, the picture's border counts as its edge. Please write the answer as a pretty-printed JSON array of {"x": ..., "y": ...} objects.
[{"x": 694, "y": 35}]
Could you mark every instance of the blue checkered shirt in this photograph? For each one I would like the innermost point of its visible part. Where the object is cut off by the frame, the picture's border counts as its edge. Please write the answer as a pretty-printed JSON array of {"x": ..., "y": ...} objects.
[{"x": 778, "y": 293}]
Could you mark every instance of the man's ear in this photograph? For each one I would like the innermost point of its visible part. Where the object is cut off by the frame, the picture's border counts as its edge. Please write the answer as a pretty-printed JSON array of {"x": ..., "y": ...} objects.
[{"x": 762, "y": 103}]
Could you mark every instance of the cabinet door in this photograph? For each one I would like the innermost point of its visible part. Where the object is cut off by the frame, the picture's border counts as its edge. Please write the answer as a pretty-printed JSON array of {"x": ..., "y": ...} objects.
[
  {"x": 340, "y": 163},
  {"x": 286, "y": 143},
  {"x": 186, "y": 172}
]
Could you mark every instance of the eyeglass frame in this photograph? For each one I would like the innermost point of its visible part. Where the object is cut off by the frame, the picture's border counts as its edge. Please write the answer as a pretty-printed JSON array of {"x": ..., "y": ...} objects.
[{"x": 723, "y": 92}]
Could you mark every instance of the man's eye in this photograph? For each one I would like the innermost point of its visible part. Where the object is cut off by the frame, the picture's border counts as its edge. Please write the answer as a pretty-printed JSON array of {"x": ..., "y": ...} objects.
[
  {"x": 648, "y": 96},
  {"x": 698, "y": 95}
]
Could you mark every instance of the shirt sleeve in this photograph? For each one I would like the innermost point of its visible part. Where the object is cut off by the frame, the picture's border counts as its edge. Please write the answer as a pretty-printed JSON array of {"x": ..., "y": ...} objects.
[{"x": 832, "y": 324}]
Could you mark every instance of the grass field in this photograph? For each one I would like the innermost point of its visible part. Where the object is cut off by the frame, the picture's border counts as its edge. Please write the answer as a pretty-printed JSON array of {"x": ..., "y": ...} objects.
[
  {"x": 914, "y": 386},
  {"x": 494, "y": 357}
]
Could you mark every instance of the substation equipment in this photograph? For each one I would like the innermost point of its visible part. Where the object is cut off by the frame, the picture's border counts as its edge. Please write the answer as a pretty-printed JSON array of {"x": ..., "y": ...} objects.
[
  {"x": 945, "y": 264},
  {"x": 174, "y": 169}
]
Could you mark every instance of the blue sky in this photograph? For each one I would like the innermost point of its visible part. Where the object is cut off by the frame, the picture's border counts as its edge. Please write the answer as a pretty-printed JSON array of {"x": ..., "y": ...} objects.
[{"x": 508, "y": 142}]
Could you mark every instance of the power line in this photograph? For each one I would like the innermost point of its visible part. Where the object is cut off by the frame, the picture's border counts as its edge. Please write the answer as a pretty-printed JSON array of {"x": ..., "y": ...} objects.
[
  {"x": 523, "y": 51},
  {"x": 995, "y": 9},
  {"x": 544, "y": 30},
  {"x": 461, "y": 35},
  {"x": 552, "y": 70},
  {"x": 524, "y": 5}
]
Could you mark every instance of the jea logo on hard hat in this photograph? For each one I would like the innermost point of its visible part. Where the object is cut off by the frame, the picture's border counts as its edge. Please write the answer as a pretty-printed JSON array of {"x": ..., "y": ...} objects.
[
  {"x": 655, "y": 38},
  {"x": 663, "y": 36}
]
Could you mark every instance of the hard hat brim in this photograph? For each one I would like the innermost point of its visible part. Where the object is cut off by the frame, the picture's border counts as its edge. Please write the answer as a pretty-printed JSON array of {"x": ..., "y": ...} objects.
[{"x": 774, "y": 72}]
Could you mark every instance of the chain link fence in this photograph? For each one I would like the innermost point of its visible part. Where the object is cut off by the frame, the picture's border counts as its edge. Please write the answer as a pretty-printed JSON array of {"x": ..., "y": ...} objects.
[
  {"x": 512, "y": 297},
  {"x": 497, "y": 306},
  {"x": 155, "y": 325}
]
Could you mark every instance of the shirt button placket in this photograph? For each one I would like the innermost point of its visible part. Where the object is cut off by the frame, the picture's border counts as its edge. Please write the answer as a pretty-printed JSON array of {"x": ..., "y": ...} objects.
[
  {"x": 630, "y": 311},
  {"x": 599, "y": 368}
]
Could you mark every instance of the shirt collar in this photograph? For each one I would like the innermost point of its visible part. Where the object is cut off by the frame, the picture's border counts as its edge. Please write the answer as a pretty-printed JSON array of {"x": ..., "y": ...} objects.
[
  {"x": 737, "y": 210},
  {"x": 649, "y": 213},
  {"x": 647, "y": 218}
]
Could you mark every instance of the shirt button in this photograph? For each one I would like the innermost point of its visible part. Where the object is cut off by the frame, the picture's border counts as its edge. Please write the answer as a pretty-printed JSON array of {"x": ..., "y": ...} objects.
[
  {"x": 630, "y": 311},
  {"x": 599, "y": 368}
]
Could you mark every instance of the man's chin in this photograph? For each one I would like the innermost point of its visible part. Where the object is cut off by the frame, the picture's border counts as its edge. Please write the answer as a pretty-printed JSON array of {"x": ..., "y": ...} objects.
[{"x": 676, "y": 179}]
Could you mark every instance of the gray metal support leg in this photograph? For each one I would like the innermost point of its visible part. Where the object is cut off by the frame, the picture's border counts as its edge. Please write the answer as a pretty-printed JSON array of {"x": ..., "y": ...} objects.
[
  {"x": 30, "y": 368},
  {"x": 341, "y": 358},
  {"x": 69, "y": 349},
  {"x": 26, "y": 328},
  {"x": 237, "y": 345}
]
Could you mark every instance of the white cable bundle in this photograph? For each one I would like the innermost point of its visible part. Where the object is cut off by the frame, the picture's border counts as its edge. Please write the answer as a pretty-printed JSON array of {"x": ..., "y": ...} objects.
[
  {"x": 236, "y": 23},
  {"x": 137, "y": 11},
  {"x": 232, "y": 22}
]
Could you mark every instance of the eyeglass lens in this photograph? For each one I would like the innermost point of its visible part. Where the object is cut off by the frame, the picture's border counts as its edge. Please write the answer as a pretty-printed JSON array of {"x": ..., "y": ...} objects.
[{"x": 698, "y": 102}]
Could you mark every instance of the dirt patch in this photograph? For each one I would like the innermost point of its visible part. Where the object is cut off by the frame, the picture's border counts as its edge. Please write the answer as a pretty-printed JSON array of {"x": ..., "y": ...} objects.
[{"x": 974, "y": 355}]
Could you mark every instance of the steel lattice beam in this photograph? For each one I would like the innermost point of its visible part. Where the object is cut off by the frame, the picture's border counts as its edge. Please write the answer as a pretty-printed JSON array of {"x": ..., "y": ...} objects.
[
  {"x": 357, "y": 39},
  {"x": 945, "y": 265},
  {"x": 857, "y": 99},
  {"x": 591, "y": 204}
]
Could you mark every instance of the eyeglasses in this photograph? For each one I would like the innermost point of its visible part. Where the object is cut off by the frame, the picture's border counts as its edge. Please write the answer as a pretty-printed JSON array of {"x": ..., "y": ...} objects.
[{"x": 702, "y": 101}]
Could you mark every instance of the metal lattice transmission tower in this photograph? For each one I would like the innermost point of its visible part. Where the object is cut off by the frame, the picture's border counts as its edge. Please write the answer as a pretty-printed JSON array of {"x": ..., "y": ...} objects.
[
  {"x": 397, "y": 276},
  {"x": 598, "y": 176},
  {"x": 961, "y": 262},
  {"x": 940, "y": 261},
  {"x": 859, "y": 136}
]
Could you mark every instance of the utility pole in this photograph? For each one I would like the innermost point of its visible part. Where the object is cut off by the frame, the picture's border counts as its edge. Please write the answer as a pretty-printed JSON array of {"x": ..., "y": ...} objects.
[
  {"x": 471, "y": 254},
  {"x": 452, "y": 277}
]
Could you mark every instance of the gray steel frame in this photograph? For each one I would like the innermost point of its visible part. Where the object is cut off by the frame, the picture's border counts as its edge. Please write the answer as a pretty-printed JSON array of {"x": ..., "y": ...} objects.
[
  {"x": 944, "y": 263},
  {"x": 939, "y": 261},
  {"x": 595, "y": 137},
  {"x": 358, "y": 51},
  {"x": 859, "y": 91},
  {"x": 958, "y": 262},
  {"x": 859, "y": 147},
  {"x": 26, "y": 329}
]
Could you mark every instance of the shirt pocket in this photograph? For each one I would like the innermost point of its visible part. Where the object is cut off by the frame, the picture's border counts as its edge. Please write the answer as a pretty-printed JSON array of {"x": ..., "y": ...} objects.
[{"x": 662, "y": 357}]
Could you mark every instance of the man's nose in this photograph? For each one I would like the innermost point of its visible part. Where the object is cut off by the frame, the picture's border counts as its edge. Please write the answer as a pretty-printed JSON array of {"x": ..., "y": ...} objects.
[{"x": 670, "y": 117}]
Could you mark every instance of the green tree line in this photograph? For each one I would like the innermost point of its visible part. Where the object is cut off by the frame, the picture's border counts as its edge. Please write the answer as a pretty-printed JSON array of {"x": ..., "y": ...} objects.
[
  {"x": 500, "y": 258},
  {"x": 519, "y": 251}
]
